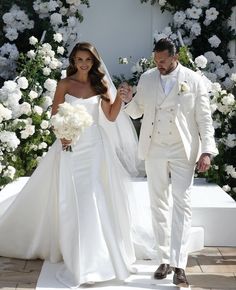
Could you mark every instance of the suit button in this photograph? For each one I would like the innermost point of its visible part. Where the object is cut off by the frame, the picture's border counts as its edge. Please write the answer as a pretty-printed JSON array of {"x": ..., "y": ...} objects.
[
  {"x": 170, "y": 121},
  {"x": 150, "y": 136},
  {"x": 158, "y": 132},
  {"x": 152, "y": 123},
  {"x": 170, "y": 133}
]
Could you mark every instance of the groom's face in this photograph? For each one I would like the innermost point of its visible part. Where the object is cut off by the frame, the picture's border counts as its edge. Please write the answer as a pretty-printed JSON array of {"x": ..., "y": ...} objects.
[{"x": 165, "y": 62}]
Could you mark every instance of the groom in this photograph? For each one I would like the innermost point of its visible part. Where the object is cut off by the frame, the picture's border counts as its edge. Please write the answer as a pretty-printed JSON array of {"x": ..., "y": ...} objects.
[{"x": 176, "y": 129}]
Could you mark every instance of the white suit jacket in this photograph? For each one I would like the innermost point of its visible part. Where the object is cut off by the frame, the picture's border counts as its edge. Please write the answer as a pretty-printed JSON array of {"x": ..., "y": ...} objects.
[{"x": 192, "y": 114}]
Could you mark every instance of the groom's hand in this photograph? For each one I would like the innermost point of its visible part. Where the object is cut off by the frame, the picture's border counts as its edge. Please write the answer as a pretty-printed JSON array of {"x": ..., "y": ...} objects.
[
  {"x": 204, "y": 162},
  {"x": 125, "y": 92}
]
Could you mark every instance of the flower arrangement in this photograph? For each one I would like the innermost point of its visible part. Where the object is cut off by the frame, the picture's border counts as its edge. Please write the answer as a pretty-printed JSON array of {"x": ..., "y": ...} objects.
[
  {"x": 25, "y": 104},
  {"x": 70, "y": 121},
  {"x": 18, "y": 19}
]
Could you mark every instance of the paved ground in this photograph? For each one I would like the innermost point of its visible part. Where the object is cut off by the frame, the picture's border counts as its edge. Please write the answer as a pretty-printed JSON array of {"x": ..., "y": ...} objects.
[{"x": 212, "y": 268}]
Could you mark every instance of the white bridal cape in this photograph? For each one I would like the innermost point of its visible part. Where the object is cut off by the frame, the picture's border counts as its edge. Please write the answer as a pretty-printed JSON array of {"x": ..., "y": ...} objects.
[{"x": 74, "y": 208}]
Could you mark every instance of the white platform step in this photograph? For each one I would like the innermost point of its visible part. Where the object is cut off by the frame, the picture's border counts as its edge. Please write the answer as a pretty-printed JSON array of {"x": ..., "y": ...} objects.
[{"x": 214, "y": 211}]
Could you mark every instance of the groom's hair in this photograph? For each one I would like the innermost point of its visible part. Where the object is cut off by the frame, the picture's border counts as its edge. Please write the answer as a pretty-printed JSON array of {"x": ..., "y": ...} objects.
[{"x": 165, "y": 44}]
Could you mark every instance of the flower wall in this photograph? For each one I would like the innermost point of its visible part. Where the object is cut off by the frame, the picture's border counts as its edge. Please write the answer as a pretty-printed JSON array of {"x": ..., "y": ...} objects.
[{"x": 31, "y": 62}]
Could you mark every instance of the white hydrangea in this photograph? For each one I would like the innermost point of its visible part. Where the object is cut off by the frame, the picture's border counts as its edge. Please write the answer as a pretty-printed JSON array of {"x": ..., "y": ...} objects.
[
  {"x": 25, "y": 109},
  {"x": 52, "y": 5},
  {"x": 56, "y": 19},
  {"x": 179, "y": 18},
  {"x": 5, "y": 113},
  {"x": 9, "y": 172},
  {"x": 230, "y": 141},
  {"x": 16, "y": 20},
  {"x": 211, "y": 14},
  {"x": 220, "y": 72},
  {"x": 8, "y": 57},
  {"x": 214, "y": 41},
  {"x": 29, "y": 130},
  {"x": 11, "y": 33},
  {"x": 10, "y": 139},
  {"x": 196, "y": 29},
  {"x": 228, "y": 100},
  {"x": 233, "y": 77},
  {"x": 193, "y": 12},
  {"x": 200, "y": 3},
  {"x": 201, "y": 61}
]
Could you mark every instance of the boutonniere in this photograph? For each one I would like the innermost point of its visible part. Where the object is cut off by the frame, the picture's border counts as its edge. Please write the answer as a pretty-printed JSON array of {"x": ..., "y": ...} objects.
[{"x": 184, "y": 87}]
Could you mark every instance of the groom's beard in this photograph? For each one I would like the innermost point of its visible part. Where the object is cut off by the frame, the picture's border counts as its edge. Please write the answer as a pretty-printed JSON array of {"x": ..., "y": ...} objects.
[{"x": 167, "y": 71}]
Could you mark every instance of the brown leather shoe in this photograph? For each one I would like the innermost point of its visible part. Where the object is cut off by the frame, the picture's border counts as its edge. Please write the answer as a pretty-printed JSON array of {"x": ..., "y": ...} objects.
[
  {"x": 162, "y": 271},
  {"x": 179, "y": 278}
]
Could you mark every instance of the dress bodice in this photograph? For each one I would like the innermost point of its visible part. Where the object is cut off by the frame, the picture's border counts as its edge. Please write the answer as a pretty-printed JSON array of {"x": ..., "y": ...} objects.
[{"x": 91, "y": 104}]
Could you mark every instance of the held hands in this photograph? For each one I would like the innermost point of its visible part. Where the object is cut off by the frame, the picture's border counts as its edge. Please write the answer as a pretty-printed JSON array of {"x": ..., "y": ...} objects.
[
  {"x": 65, "y": 144},
  {"x": 125, "y": 92},
  {"x": 204, "y": 162}
]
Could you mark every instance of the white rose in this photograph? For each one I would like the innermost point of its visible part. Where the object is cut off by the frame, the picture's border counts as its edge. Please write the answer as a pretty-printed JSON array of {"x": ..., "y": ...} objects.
[
  {"x": 23, "y": 83},
  {"x": 60, "y": 50},
  {"x": 33, "y": 95},
  {"x": 31, "y": 53},
  {"x": 57, "y": 37},
  {"x": 33, "y": 40},
  {"x": 50, "y": 85},
  {"x": 46, "y": 71},
  {"x": 184, "y": 87},
  {"x": 38, "y": 110},
  {"x": 44, "y": 124}
]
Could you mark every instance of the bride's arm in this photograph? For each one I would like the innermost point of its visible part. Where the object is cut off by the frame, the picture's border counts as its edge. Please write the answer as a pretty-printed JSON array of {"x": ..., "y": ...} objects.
[
  {"x": 59, "y": 96},
  {"x": 111, "y": 110}
]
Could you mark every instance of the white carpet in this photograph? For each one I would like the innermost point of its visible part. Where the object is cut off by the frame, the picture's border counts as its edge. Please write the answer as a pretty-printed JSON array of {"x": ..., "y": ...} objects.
[{"x": 142, "y": 280}]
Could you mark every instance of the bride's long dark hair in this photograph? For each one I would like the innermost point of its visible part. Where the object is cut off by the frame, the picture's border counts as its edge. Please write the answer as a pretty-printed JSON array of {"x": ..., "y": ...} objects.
[{"x": 96, "y": 74}]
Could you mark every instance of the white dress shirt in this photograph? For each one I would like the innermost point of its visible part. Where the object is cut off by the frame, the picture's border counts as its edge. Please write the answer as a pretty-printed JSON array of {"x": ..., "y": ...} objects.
[{"x": 168, "y": 81}]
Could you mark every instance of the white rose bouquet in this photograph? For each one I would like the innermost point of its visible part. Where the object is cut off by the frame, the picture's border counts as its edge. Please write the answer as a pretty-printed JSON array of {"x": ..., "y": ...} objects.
[{"x": 70, "y": 121}]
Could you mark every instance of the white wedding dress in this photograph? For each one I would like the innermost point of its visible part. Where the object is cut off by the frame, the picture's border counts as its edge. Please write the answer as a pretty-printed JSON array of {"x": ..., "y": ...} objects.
[{"x": 74, "y": 208}]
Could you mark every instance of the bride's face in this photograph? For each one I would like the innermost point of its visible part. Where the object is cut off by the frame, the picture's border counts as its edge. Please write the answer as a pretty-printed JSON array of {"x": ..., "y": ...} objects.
[{"x": 83, "y": 61}]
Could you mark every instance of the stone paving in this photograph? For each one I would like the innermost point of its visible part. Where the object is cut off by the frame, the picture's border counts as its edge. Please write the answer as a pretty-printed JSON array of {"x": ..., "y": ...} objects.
[{"x": 210, "y": 269}]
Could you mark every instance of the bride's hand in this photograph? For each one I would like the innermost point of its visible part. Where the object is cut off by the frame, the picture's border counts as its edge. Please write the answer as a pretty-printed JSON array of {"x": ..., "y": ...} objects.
[
  {"x": 65, "y": 143},
  {"x": 125, "y": 92}
]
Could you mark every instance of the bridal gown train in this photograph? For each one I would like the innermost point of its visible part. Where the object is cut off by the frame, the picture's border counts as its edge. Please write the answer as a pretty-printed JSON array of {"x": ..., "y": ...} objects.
[{"x": 73, "y": 208}]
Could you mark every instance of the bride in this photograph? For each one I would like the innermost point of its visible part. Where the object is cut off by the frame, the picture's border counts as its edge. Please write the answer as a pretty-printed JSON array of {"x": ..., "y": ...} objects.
[{"x": 74, "y": 207}]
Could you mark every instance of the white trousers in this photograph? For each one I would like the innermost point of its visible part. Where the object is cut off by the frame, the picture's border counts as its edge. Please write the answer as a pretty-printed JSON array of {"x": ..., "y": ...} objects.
[{"x": 170, "y": 173}]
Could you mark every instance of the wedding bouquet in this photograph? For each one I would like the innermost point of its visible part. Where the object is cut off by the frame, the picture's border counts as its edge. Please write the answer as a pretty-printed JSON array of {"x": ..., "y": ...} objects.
[{"x": 70, "y": 121}]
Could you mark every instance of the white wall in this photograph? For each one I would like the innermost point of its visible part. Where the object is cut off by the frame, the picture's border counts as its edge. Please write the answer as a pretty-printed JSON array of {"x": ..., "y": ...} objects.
[{"x": 120, "y": 29}]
